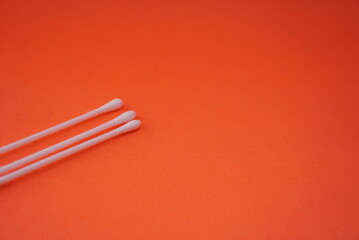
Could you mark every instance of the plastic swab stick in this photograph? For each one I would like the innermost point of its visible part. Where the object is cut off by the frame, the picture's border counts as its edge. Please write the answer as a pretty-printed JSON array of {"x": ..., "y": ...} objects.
[
  {"x": 110, "y": 106},
  {"x": 123, "y": 118},
  {"x": 130, "y": 126}
]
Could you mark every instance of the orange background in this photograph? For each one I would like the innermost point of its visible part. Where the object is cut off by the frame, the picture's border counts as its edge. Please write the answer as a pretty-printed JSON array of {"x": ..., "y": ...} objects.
[{"x": 249, "y": 109}]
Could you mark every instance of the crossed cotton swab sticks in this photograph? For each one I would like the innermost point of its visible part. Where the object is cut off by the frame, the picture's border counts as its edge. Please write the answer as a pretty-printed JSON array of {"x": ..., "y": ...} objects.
[{"x": 111, "y": 106}]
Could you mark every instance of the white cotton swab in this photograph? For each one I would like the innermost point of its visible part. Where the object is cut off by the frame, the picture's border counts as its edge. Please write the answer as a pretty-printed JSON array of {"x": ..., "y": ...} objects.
[
  {"x": 123, "y": 118},
  {"x": 110, "y": 106},
  {"x": 130, "y": 126}
]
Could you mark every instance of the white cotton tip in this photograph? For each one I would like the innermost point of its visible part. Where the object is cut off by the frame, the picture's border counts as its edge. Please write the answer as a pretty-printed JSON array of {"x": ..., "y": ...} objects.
[
  {"x": 130, "y": 126},
  {"x": 124, "y": 117},
  {"x": 112, "y": 105}
]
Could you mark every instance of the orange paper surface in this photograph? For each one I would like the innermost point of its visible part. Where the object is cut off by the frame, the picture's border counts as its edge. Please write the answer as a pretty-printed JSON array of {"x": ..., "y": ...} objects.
[{"x": 249, "y": 110}]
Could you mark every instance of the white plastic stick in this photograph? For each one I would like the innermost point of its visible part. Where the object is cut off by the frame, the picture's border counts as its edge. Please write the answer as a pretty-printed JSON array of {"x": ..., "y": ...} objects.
[
  {"x": 110, "y": 106},
  {"x": 123, "y": 118},
  {"x": 130, "y": 126}
]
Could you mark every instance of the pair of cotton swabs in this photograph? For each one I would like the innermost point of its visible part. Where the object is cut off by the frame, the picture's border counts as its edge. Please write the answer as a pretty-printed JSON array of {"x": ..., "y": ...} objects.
[{"x": 115, "y": 104}]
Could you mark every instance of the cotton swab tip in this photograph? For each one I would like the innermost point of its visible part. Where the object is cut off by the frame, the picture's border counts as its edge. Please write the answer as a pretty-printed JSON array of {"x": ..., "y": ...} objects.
[
  {"x": 112, "y": 105},
  {"x": 134, "y": 124},
  {"x": 128, "y": 127},
  {"x": 124, "y": 117}
]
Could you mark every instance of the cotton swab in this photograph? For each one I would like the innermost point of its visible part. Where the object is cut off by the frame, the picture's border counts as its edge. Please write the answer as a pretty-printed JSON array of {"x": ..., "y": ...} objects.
[
  {"x": 110, "y": 106},
  {"x": 125, "y": 117},
  {"x": 130, "y": 126}
]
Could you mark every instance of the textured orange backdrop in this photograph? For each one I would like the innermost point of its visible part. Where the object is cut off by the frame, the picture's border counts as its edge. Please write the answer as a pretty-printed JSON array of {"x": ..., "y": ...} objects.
[{"x": 249, "y": 109}]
